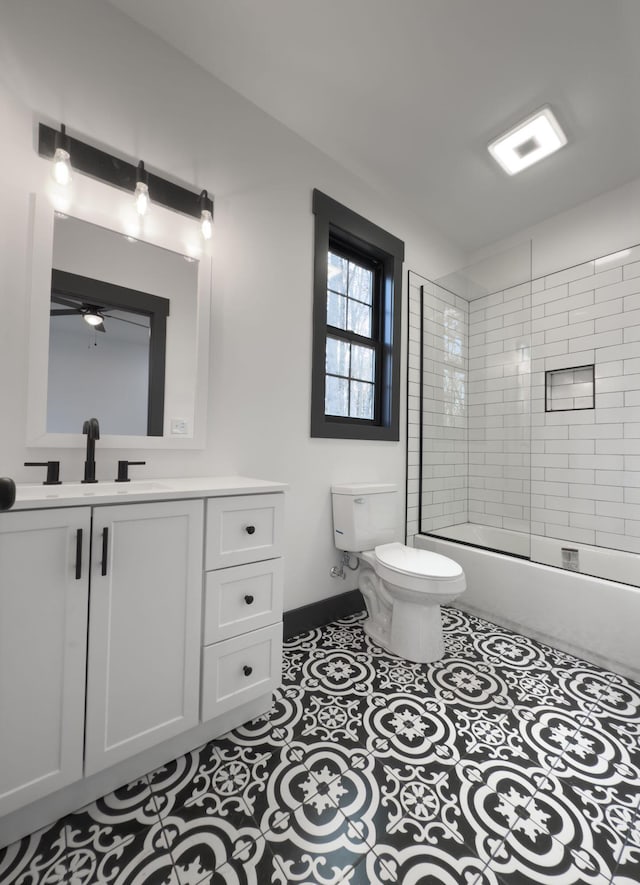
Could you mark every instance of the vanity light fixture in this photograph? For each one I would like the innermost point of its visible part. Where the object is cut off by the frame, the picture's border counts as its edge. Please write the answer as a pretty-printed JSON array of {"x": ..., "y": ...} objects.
[
  {"x": 528, "y": 142},
  {"x": 113, "y": 170},
  {"x": 61, "y": 158},
  {"x": 141, "y": 194},
  {"x": 206, "y": 217}
]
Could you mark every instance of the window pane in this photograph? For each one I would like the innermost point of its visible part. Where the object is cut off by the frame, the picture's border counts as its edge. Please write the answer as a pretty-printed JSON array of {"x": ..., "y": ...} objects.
[
  {"x": 336, "y": 399},
  {"x": 360, "y": 283},
  {"x": 361, "y": 400},
  {"x": 336, "y": 310},
  {"x": 359, "y": 318},
  {"x": 337, "y": 273},
  {"x": 362, "y": 363},
  {"x": 337, "y": 357}
]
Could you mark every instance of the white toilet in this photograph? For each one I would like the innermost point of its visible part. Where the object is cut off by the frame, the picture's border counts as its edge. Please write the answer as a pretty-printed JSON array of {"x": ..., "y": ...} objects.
[{"x": 403, "y": 587}]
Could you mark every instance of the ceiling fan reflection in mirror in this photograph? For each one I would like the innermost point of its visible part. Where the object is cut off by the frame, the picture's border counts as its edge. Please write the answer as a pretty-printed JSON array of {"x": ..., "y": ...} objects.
[{"x": 93, "y": 314}]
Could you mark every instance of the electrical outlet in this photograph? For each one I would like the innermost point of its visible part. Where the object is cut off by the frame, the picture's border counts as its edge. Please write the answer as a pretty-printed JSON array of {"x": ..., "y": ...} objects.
[{"x": 179, "y": 427}]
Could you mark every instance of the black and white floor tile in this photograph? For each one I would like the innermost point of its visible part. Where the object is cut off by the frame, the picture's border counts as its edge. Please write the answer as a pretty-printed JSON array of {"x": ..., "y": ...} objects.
[{"x": 505, "y": 762}]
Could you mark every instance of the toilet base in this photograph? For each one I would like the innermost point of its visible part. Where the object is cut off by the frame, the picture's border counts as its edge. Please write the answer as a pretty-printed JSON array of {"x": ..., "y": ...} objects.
[
  {"x": 408, "y": 629},
  {"x": 416, "y": 633}
]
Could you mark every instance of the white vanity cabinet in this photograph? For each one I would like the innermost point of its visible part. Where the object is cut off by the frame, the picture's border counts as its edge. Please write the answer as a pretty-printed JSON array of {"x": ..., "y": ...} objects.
[
  {"x": 44, "y": 586},
  {"x": 242, "y": 637},
  {"x": 144, "y": 628},
  {"x": 132, "y": 631}
]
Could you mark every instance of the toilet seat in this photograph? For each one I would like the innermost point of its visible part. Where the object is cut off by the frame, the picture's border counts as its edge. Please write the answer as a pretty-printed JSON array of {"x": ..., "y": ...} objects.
[
  {"x": 412, "y": 561},
  {"x": 413, "y": 573}
]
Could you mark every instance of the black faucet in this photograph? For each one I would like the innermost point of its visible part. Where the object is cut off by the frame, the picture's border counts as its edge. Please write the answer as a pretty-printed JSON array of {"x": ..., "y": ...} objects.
[{"x": 92, "y": 430}]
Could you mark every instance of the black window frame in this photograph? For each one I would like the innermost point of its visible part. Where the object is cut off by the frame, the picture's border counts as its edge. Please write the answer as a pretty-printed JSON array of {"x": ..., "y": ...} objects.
[{"x": 341, "y": 230}]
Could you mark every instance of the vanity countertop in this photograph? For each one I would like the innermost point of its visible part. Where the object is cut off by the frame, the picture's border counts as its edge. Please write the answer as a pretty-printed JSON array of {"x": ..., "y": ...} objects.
[{"x": 30, "y": 496}]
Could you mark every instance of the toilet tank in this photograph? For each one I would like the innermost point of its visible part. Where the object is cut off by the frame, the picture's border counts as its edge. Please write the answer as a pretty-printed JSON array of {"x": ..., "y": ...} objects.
[{"x": 364, "y": 515}]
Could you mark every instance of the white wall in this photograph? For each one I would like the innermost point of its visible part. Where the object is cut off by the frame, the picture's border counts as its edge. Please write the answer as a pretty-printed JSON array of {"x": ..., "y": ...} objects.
[
  {"x": 597, "y": 227},
  {"x": 105, "y": 374},
  {"x": 110, "y": 81}
]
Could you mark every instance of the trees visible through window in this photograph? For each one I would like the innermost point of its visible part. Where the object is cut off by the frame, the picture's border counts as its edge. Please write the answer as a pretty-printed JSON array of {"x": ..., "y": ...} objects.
[
  {"x": 356, "y": 326},
  {"x": 352, "y": 345}
]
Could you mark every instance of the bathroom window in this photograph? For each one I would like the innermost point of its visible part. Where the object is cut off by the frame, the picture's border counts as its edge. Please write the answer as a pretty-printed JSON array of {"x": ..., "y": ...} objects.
[{"x": 356, "y": 330}]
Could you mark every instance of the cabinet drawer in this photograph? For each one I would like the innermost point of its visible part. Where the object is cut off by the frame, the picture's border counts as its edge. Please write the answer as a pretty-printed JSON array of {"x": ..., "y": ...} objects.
[
  {"x": 242, "y": 598},
  {"x": 241, "y": 669},
  {"x": 243, "y": 529}
]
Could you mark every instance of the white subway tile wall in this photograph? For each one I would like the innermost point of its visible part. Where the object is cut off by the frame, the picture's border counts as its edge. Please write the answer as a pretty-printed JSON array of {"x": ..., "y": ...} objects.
[
  {"x": 586, "y": 464},
  {"x": 491, "y": 454},
  {"x": 499, "y": 425},
  {"x": 444, "y": 395}
]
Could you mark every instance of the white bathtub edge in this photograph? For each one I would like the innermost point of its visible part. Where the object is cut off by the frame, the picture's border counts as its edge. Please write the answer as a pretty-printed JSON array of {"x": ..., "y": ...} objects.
[{"x": 591, "y": 618}]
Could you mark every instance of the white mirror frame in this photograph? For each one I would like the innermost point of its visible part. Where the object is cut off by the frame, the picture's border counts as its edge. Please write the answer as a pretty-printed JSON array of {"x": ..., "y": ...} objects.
[{"x": 111, "y": 208}]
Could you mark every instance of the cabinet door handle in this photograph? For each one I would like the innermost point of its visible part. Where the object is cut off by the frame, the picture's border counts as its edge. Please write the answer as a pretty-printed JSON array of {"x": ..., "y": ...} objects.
[
  {"x": 105, "y": 550},
  {"x": 248, "y": 599},
  {"x": 247, "y": 670},
  {"x": 249, "y": 529},
  {"x": 78, "y": 554}
]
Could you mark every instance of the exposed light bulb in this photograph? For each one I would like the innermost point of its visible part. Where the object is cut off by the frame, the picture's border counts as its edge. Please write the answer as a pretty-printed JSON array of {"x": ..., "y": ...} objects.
[
  {"x": 206, "y": 224},
  {"x": 206, "y": 218},
  {"x": 94, "y": 319},
  {"x": 141, "y": 198},
  {"x": 61, "y": 167}
]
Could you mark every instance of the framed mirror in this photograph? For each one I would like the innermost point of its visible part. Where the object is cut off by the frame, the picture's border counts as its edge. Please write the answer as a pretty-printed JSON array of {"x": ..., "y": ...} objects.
[{"x": 119, "y": 323}]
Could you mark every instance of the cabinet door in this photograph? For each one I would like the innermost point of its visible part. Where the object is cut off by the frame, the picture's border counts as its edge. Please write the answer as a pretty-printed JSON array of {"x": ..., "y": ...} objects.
[
  {"x": 144, "y": 627},
  {"x": 43, "y": 640}
]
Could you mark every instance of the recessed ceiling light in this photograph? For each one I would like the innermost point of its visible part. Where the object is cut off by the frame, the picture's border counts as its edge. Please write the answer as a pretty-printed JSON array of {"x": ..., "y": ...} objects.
[{"x": 532, "y": 140}]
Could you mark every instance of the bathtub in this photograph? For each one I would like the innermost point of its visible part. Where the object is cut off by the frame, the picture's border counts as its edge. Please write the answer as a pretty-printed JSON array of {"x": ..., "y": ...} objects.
[{"x": 592, "y": 617}]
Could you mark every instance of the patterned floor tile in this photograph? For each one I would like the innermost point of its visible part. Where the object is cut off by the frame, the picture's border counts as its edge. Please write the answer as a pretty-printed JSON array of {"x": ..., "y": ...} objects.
[
  {"x": 203, "y": 846},
  {"x": 276, "y": 727},
  {"x": 432, "y": 865},
  {"x": 406, "y": 727},
  {"x": 96, "y": 856},
  {"x": 505, "y": 763},
  {"x": 526, "y": 858},
  {"x": 314, "y": 842},
  {"x": 253, "y": 864},
  {"x": 464, "y": 684},
  {"x": 118, "y": 840},
  {"x": 628, "y": 867},
  {"x": 222, "y": 780},
  {"x": 39, "y": 858},
  {"x": 414, "y": 805}
]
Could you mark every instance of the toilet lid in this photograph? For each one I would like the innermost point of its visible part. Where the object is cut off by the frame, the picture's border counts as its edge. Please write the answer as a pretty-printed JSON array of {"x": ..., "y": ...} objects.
[{"x": 411, "y": 561}]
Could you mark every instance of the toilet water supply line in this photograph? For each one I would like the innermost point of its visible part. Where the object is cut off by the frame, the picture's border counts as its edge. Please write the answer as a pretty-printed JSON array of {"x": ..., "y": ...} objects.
[{"x": 338, "y": 571}]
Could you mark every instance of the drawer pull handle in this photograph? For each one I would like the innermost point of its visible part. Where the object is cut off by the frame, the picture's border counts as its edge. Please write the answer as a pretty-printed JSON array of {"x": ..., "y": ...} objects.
[
  {"x": 247, "y": 670},
  {"x": 249, "y": 529},
  {"x": 248, "y": 599}
]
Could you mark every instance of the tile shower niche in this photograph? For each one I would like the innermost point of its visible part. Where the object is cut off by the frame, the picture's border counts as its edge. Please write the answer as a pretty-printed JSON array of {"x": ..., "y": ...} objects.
[{"x": 570, "y": 389}]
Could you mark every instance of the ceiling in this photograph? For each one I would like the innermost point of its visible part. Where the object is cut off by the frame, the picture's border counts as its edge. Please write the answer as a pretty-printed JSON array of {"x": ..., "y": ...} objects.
[{"x": 408, "y": 93}]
